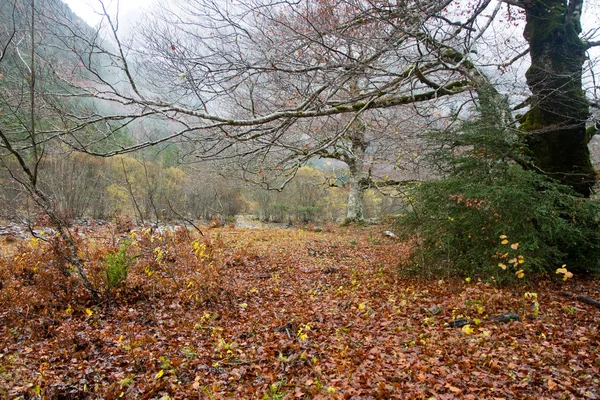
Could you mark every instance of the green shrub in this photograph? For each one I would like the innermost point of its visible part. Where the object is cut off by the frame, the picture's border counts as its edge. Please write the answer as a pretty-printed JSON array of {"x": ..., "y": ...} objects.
[
  {"x": 492, "y": 216},
  {"x": 117, "y": 266}
]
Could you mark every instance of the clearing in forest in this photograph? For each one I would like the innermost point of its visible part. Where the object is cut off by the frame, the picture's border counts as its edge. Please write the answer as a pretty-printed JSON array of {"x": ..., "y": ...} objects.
[{"x": 282, "y": 313}]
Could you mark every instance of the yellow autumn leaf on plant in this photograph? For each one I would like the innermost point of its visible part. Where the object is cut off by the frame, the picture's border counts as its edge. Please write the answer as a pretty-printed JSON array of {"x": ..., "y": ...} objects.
[
  {"x": 520, "y": 274},
  {"x": 159, "y": 253},
  {"x": 535, "y": 307},
  {"x": 564, "y": 271},
  {"x": 504, "y": 241},
  {"x": 514, "y": 246},
  {"x": 467, "y": 329},
  {"x": 159, "y": 374}
]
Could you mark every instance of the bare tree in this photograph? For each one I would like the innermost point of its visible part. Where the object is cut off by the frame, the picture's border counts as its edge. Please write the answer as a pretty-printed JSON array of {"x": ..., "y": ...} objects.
[
  {"x": 23, "y": 145},
  {"x": 245, "y": 79}
]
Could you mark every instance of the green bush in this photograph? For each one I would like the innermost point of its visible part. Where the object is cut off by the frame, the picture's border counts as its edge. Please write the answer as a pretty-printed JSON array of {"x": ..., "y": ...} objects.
[
  {"x": 490, "y": 215},
  {"x": 117, "y": 266}
]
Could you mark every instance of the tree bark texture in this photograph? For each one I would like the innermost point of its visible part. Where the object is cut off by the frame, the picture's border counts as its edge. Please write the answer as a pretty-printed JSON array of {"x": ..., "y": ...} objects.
[
  {"x": 559, "y": 109},
  {"x": 358, "y": 177}
]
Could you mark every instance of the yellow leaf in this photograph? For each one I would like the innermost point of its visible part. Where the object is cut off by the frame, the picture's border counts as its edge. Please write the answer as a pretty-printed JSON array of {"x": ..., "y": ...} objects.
[
  {"x": 361, "y": 306},
  {"x": 159, "y": 374},
  {"x": 88, "y": 312},
  {"x": 243, "y": 305},
  {"x": 330, "y": 389},
  {"x": 69, "y": 310},
  {"x": 467, "y": 329},
  {"x": 564, "y": 271},
  {"x": 520, "y": 274},
  {"x": 502, "y": 266},
  {"x": 504, "y": 241},
  {"x": 486, "y": 333},
  {"x": 467, "y": 280},
  {"x": 514, "y": 246},
  {"x": 503, "y": 237}
]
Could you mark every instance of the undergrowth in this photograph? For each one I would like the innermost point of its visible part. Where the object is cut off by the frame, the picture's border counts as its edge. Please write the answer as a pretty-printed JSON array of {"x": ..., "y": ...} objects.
[
  {"x": 492, "y": 214},
  {"x": 36, "y": 280}
]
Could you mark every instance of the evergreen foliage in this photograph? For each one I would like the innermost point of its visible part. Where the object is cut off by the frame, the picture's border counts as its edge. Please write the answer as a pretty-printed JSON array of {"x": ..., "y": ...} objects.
[
  {"x": 117, "y": 266},
  {"x": 492, "y": 214}
]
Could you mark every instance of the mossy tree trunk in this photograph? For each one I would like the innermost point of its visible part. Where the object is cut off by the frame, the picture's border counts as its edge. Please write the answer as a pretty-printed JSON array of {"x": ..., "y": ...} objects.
[
  {"x": 556, "y": 120},
  {"x": 358, "y": 177}
]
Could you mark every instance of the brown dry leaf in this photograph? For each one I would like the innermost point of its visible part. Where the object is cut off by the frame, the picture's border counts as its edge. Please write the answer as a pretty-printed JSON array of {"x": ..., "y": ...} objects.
[{"x": 453, "y": 389}]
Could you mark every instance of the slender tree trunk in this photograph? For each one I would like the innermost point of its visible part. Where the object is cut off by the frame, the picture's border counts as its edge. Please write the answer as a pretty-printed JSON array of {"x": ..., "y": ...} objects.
[
  {"x": 358, "y": 177},
  {"x": 556, "y": 120},
  {"x": 30, "y": 181}
]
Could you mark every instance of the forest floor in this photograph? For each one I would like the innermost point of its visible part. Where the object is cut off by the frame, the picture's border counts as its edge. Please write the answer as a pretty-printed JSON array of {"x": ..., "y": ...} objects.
[{"x": 282, "y": 314}]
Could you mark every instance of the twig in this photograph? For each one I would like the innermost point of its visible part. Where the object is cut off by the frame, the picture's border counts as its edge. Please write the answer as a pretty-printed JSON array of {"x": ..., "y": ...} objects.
[{"x": 189, "y": 221}]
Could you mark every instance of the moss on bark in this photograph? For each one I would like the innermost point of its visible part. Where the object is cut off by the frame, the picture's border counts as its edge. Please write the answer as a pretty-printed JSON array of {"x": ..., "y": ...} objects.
[{"x": 556, "y": 121}]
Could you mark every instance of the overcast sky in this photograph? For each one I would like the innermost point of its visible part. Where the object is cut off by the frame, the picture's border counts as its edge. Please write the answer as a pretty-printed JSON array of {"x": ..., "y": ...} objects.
[
  {"x": 131, "y": 9},
  {"x": 88, "y": 9}
]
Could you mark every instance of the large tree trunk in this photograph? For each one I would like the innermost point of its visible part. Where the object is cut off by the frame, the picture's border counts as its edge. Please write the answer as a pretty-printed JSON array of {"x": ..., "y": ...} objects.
[
  {"x": 358, "y": 177},
  {"x": 355, "y": 211},
  {"x": 556, "y": 120}
]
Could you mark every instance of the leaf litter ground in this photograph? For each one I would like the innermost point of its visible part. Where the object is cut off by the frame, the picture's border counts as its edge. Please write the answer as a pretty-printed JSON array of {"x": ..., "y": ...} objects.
[{"x": 281, "y": 314}]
